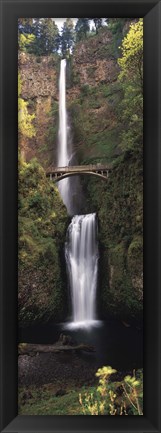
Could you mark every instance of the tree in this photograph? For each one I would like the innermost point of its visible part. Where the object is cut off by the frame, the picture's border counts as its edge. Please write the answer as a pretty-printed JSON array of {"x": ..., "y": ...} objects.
[
  {"x": 42, "y": 36},
  {"x": 67, "y": 36},
  {"x": 131, "y": 78},
  {"x": 49, "y": 36},
  {"x": 25, "y": 41},
  {"x": 82, "y": 28},
  {"x": 25, "y": 25},
  {"x": 118, "y": 30},
  {"x": 26, "y": 37},
  {"x": 131, "y": 62},
  {"x": 98, "y": 23}
]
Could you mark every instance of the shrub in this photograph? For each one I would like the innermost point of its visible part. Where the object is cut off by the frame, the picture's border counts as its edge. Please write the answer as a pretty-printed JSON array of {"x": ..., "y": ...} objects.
[{"x": 114, "y": 398}]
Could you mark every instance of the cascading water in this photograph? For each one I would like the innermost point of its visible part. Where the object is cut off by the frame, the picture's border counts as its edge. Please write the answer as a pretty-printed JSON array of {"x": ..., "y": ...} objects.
[
  {"x": 70, "y": 191},
  {"x": 63, "y": 157},
  {"x": 81, "y": 247},
  {"x": 82, "y": 264}
]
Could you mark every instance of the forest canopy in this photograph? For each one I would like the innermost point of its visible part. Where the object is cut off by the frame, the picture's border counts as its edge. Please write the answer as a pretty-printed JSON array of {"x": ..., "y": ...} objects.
[{"x": 41, "y": 36}]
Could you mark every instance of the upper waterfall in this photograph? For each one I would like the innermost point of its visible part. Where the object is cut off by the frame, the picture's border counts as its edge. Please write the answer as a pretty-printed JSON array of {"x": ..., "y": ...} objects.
[
  {"x": 62, "y": 149},
  {"x": 63, "y": 157},
  {"x": 70, "y": 190}
]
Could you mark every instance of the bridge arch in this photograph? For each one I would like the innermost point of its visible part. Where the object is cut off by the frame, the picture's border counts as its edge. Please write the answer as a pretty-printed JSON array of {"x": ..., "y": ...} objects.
[
  {"x": 59, "y": 173},
  {"x": 64, "y": 176}
]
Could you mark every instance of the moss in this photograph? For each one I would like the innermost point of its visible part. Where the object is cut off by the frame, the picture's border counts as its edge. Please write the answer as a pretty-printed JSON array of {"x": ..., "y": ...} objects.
[
  {"x": 119, "y": 298},
  {"x": 42, "y": 228},
  {"x": 135, "y": 254},
  {"x": 135, "y": 265}
]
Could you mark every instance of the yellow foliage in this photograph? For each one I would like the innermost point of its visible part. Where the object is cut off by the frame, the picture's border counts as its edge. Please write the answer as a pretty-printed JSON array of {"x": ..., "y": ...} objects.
[
  {"x": 132, "y": 52},
  {"x": 105, "y": 400},
  {"x": 105, "y": 372},
  {"x": 24, "y": 40},
  {"x": 25, "y": 119}
]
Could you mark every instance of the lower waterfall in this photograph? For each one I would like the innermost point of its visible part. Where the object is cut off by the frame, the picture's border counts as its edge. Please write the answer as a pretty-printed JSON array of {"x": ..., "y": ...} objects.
[{"x": 82, "y": 263}]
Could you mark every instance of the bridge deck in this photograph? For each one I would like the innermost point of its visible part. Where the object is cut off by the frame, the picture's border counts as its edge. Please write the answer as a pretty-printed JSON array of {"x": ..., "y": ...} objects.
[{"x": 78, "y": 168}]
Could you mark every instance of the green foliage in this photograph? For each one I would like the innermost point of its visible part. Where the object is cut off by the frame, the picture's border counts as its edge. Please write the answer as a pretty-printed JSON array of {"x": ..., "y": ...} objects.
[
  {"x": 52, "y": 131},
  {"x": 82, "y": 28},
  {"x": 106, "y": 399},
  {"x": 98, "y": 23},
  {"x": 115, "y": 25},
  {"x": 85, "y": 90},
  {"x": 42, "y": 228},
  {"x": 40, "y": 199},
  {"x": 39, "y": 36},
  {"x": 118, "y": 28},
  {"x": 44, "y": 402},
  {"x": 50, "y": 36},
  {"x": 67, "y": 37}
]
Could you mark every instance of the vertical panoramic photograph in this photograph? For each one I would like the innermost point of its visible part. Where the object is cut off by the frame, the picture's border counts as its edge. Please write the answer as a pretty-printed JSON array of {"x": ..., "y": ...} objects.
[{"x": 80, "y": 216}]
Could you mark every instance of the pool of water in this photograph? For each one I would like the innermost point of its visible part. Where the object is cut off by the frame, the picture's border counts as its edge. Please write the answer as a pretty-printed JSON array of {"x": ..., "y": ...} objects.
[{"x": 115, "y": 344}]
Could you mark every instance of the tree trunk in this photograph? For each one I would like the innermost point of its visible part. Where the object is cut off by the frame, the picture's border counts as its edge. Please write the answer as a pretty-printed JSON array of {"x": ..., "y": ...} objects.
[{"x": 29, "y": 349}]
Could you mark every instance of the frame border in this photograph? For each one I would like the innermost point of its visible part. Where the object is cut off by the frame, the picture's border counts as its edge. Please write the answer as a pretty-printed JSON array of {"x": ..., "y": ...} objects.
[{"x": 151, "y": 11}]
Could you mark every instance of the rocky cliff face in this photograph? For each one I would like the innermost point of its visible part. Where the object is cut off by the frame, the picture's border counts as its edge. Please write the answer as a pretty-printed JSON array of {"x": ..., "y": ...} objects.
[
  {"x": 93, "y": 60},
  {"x": 40, "y": 90}
]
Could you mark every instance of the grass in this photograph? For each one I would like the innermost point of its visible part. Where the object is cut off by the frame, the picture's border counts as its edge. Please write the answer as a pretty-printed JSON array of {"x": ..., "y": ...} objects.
[{"x": 42, "y": 401}]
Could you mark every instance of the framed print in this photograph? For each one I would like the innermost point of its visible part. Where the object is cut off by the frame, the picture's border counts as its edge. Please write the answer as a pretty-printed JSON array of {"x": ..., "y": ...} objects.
[{"x": 80, "y": 337}]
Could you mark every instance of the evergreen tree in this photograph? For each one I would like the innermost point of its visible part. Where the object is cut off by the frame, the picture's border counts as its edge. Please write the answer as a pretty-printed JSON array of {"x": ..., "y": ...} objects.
[
  {"x": 98, "y": 23},
  {"x": 49, "y": 36},
  {"x": 46, "y": 35},
  {"x": 67, "y": 36},
  {"x": 82, "y": 28},
  {"x": 25, "y": 25}
]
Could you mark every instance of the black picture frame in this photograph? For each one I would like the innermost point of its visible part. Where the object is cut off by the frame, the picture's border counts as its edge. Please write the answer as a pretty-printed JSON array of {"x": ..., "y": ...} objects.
[{"x": 151, "y": 11}]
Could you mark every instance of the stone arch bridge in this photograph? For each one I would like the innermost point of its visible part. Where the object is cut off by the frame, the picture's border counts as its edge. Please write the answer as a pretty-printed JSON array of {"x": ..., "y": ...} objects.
[{"x": 58, "y": 173}]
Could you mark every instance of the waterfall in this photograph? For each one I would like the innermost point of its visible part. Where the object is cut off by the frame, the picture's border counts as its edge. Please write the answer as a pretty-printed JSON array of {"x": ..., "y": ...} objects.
[
  {"x": 82, "y": 264},
  {"x": 81, "y": 248},
  {"x": 63, "y": 156},
  {"x": 70, "y": 190}
]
